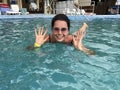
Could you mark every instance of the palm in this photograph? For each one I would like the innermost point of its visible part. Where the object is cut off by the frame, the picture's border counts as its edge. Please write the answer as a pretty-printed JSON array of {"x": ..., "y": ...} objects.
[
  {"x": 41, "y": 36},
  {"x": 77, "y": 40}
]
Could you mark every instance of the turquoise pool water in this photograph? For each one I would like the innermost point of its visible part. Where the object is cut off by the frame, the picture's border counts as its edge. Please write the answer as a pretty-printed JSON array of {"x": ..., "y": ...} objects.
[{"x": 58, "y": 66}]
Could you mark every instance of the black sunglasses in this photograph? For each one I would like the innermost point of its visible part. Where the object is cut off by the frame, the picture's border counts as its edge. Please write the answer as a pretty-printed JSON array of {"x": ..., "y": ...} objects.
[{"x": 57, "y": 29}]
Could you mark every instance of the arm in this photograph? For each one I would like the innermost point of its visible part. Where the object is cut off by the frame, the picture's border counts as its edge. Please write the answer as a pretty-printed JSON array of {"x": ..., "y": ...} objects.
[
  {"x": 77, "y": 40},
  {"x": 41, "y": 38}
]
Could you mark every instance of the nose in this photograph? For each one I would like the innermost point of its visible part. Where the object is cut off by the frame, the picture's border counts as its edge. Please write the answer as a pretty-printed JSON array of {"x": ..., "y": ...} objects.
[{"x": 59, "y": 32}]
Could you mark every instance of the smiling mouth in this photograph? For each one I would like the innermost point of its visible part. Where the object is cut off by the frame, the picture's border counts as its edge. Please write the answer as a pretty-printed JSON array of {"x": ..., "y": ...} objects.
[{"x": 60, "y": 37}]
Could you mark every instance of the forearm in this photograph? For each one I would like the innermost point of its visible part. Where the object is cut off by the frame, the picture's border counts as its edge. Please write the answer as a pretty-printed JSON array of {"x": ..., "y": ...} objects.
[{"x": 87, "y": 50}]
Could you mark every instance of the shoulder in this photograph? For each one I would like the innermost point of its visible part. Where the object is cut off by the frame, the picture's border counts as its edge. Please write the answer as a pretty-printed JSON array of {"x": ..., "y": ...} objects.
[
  {"x": 69, "y": 36},
  {"x": 69, "y": 39}
]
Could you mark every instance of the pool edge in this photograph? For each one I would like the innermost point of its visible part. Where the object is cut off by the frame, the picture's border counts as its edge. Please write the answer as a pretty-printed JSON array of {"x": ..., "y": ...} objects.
[{"x": 72, "y": 17}]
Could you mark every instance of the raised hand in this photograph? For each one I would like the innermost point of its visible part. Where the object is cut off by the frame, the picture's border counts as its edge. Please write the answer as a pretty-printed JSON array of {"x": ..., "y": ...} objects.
[
  {"x": 77, "y": 40},
  {"x": 41, "y": 36}
]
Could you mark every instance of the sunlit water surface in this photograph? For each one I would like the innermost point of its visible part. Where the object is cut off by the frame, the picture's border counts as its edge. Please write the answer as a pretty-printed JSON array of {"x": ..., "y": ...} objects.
[{"x": 59, "y": 66}]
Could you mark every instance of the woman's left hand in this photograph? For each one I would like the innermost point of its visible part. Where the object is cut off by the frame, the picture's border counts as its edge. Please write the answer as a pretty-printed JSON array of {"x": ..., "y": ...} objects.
[{"x": 77, "y": 40}]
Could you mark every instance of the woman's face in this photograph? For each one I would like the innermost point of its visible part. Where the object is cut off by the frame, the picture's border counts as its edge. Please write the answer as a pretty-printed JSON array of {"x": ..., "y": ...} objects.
[{"x": 60, "y": 30}]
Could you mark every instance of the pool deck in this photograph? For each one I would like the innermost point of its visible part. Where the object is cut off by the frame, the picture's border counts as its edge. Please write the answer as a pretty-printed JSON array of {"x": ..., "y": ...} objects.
[{"x": 49, "y": 16}]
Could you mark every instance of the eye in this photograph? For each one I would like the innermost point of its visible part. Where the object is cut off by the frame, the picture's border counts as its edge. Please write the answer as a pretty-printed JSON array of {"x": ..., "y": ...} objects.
[
  {"x": 56, "y": 29},
  {"x": 63, "y": 29}
]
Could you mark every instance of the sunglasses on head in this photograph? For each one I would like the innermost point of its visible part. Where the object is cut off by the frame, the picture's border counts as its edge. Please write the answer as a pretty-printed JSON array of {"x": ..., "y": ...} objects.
[{"x": 57, "y": 29}]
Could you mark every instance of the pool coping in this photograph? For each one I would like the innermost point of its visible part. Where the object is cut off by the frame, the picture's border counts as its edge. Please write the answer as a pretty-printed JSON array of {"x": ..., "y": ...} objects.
[{"x": 49, "y": 16}]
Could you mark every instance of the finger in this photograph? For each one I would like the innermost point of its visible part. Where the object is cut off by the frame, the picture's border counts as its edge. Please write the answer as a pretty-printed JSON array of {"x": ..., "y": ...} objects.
[
  {"x": 74, "y": 41},
  {"x": 78, "y": 35},
  {"x": 81, "y": 36},
  {"x": 80, "y": 31},
  {"x": 45, "y": 32},
  {"x": 74, "y": 38},
  {"x": 46, "y": 38},
  {"x": 84, "y": 33},
  {"x": 42, "y": 29},
  {"x": 39, "y": 31},
  {"x": 35, "y": 32}
]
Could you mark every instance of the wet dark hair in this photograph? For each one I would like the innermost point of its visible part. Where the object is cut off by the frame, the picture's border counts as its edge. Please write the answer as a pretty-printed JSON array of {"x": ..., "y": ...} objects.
[{"x": 61, "y": 17}]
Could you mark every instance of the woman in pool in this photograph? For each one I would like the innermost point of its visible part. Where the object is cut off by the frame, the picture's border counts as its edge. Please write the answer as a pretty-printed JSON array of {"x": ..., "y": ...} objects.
[{"x": 60, "y": 33}]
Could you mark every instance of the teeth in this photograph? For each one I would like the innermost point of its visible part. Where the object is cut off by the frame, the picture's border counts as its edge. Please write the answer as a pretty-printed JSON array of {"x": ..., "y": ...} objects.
[{"x": 59, "y": 36}]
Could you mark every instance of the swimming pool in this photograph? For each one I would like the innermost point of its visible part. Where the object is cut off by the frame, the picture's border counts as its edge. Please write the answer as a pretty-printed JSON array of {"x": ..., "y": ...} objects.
[{"x": 58, "y": 66}]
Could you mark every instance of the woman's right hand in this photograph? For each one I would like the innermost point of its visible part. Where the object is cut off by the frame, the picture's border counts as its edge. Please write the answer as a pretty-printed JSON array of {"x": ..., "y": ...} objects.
[{"x": 41, "y": 36}]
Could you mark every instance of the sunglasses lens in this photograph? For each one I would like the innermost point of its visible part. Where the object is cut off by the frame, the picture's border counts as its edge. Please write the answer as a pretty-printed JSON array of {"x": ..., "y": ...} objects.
[
  {"x": 63, "y": 29},
  {"x": 56, "y": 29}
]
